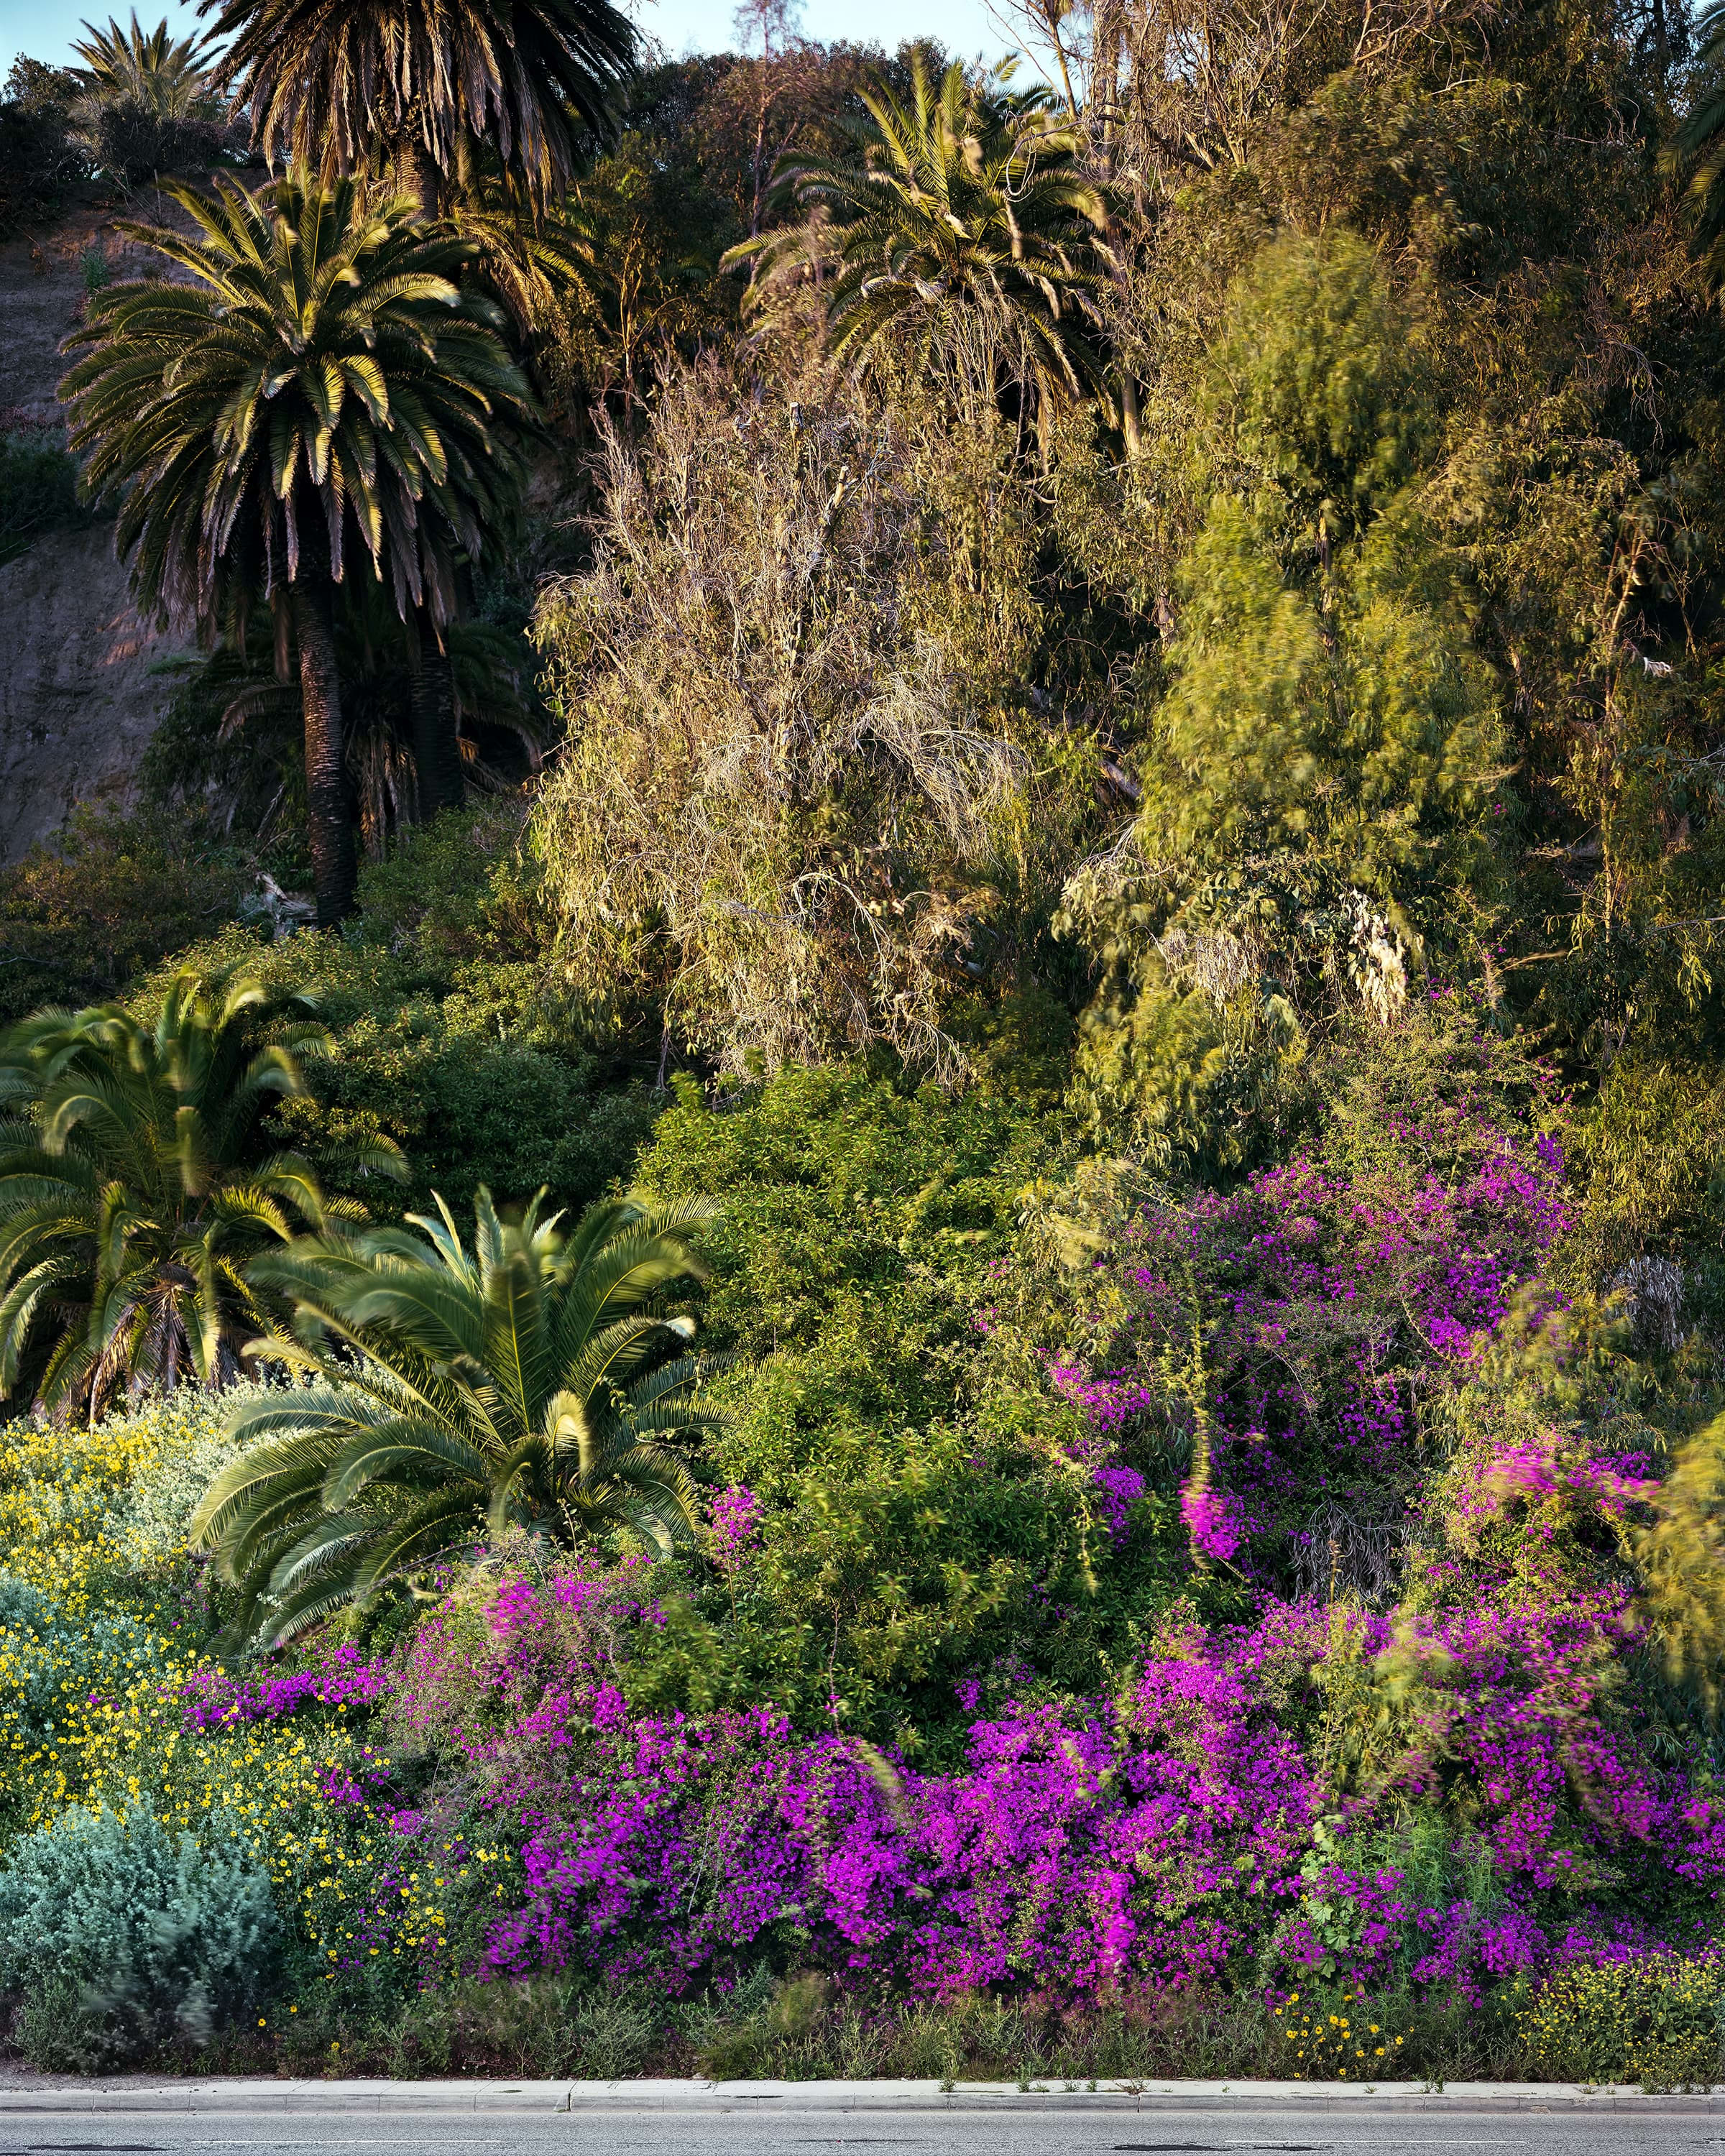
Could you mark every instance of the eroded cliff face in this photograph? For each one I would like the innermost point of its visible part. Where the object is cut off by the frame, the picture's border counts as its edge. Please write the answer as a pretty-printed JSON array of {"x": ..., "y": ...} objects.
[
  {"x": 77, "y": 702},
  {"x": 78, "y": 698}
]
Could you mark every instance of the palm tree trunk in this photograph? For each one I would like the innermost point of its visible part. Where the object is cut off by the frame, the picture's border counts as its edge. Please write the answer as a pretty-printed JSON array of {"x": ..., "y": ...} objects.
[
  {"x": 437, "y": 751},
  {"x": 418, "y": 170},
  {"x": 331, "y": 821}
]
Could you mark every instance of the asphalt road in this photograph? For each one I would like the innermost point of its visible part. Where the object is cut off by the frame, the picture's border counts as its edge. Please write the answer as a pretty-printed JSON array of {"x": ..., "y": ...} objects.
[{"x": 1283, "y": 2126}]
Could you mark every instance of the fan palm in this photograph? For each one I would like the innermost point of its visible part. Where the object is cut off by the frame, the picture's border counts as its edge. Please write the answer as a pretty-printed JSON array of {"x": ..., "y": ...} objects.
[
  {"x": 968, "y": 196},
  {"x": 346, "y": 84},
  {"x": 454, "y": 1395},
  {"x": 317, "y": 384},
  {"x": 133, "y": 1191}
]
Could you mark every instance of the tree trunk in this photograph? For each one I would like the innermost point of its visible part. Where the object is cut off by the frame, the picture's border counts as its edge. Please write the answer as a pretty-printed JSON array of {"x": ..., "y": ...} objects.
[
  {"x": 437, "y": 750},
  {"x": 332, "y": 867},
  {"x": 1130, "y": 419},
  {"x": 417, "y": 170}
]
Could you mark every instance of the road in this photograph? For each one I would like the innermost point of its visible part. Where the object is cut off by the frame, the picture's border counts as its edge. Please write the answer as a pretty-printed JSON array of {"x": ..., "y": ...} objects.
[{"x": 498, "y": 2120}]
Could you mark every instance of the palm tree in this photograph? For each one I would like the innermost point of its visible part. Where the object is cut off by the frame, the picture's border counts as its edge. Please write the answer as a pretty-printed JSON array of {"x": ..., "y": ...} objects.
[
  {"x": 317, "y": 385},
  {"x": 171, "y": 78},
  {"x": 969, "y": 199},
  {"x": 133, "y": 1191},
  {"x": 1699, "y": 147},
  {"x": 381, "y": 717},
  {"x": 346, "y": 85},
  {"x": 528, "y": 259},
  {"x": 454, "y": 1395}
]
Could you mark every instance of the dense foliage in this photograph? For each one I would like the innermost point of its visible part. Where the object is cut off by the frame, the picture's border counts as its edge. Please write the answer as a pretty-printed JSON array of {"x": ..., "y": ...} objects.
[
  {"x": 453, "y": 1395},
  {"x": 1098, "y": 712}
]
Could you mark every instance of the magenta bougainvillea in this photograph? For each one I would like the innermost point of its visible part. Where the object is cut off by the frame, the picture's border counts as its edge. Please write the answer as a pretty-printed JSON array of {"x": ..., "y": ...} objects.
[
  {"x": 1185, "y": 1830},
  {"x": 1437, "y": 1776},
  {"x": 343, "y": 1680},
  {"x": 1269, "y": 1347},
  {"x": 736, "y": 1517}
]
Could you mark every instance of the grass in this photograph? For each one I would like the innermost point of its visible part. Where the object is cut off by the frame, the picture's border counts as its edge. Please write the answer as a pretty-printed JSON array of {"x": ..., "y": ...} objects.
[{"x": 802, "y": 2028}]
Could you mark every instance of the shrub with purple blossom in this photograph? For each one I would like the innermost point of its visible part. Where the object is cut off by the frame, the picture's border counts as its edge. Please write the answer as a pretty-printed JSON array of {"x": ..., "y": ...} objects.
[{"x": 1269, "y": 1351}]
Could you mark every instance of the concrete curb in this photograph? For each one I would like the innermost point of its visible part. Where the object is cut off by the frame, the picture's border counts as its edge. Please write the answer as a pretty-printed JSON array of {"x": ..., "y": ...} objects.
[{"x": 708, "y": 2100}]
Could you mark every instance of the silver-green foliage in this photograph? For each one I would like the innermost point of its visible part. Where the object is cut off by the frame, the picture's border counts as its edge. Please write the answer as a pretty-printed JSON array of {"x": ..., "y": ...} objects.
[
  {"x": 148, "y": 1516},
  {"x": 147, "y": 1937}
]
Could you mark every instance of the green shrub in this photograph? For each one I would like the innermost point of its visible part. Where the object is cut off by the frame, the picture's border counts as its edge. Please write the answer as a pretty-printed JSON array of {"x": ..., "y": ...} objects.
[
  {"x": 135, "y": 1939},
  {"x": 115, "y": 892},
  {"x": 926, "y": 1518},
  {"x": 134, "y": 143},
  {"x": 451, "y": 1036},
  {"x": 465, "y": 1109},
  {"x": 1655, "y": 2018},
  {"x": 39, "y": 486}
]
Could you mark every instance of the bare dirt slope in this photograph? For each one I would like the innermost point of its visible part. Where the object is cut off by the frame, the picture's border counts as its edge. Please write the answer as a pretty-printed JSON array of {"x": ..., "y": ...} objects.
[{"x": 78, "y": 699}]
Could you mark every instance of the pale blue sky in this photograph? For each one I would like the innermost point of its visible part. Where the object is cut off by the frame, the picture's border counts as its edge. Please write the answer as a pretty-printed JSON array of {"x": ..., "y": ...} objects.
[{"x": 44, "y": 28}]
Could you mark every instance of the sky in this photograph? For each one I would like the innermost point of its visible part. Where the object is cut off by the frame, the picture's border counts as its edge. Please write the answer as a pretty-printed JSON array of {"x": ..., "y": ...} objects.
[{"x": 44, "y": 28}]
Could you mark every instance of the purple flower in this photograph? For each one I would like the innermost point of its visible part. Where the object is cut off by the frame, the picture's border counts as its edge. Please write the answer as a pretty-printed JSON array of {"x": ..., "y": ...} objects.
[
  {"x": 1120, "y": 1489},
  {"x": 736, "y": 1516}
]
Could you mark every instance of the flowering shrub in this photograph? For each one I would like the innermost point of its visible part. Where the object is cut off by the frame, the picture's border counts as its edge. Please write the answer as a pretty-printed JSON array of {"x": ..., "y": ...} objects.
[
  {"x": 1269, "y": 1348},
  {"x": 1144, "y": 1839},
  {"x": 1653, "y": 2018},
  {"x": 1181, "y": 1834},
  {"x": 215, "y": 1700},
  {"x": 1175, "y": 1834},
  {"x": 736, "y": 1526},
  {"x": 77, "y": 1507}
]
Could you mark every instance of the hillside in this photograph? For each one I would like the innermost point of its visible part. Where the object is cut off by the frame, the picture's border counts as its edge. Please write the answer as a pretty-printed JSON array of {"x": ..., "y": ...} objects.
[
  {"x": 78, "y": 700},
  {"x": 863, "y": 1214}
]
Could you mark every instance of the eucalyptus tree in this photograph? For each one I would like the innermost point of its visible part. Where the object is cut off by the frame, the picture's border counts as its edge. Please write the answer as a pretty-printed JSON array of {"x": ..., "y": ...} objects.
[
  {"x": 316, "y": 391},
  {"x": 533, "y": 1382}
]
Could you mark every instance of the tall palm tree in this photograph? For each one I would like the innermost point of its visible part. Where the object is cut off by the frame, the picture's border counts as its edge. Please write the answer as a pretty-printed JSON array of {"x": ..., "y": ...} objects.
[
  {"x": 528, "y": 1382},
  {"x": 173, "y": 77},
  {"x": 1699, "y": 147},
  {"x": 316, "y": 384},
  {"x": 968, "y": 196},
  {"x": 345, "y": 84},
  {"x": 382, "y": 716},
  {"x": 133, "y": 1189}
]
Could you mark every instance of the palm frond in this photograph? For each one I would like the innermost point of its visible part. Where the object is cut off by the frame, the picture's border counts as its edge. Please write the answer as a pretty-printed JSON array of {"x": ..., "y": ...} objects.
[{"x": 409, "y": 1441}]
